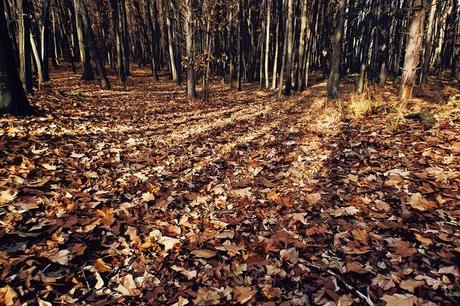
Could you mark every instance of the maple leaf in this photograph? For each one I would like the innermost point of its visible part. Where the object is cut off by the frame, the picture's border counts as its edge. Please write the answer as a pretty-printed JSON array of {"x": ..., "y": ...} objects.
[{"x": 400, "y": 299}]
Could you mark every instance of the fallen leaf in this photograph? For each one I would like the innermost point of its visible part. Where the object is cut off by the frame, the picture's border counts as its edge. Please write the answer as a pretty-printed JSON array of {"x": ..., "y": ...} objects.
[
  {"x": 243, "y": 294},
  {"x": 101, "y": 266},
  {"x": 8, "y": 295},
  {"x": 423, "y": 240},
  {"x": 169, "y": 243},
  {"x": 313, "y": 198},
  {"x": 417, "y": 201},
  {"x": 6, "y": 196},
  {"x": 203, "y": 253},
  {"x": 61, "y": 257},
  {"x": 399, "y": 299},
  {"x": 411, "y": 284}
]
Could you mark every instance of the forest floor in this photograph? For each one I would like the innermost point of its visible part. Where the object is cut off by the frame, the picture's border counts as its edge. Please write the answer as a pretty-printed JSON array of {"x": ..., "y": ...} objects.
[{"x": 138, "y": 195}]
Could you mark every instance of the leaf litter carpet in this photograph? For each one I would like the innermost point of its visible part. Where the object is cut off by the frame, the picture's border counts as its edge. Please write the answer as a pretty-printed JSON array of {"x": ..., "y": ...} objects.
[{"x": 138, "y": 195}]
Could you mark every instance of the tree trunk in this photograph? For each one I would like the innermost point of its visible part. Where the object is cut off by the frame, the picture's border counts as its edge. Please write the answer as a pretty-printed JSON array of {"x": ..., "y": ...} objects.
[
  {"x": 302, "y": 47},
  {"x": 334, "y": 76},
  {"x": 87, "y": 74},
  {"x": 189, "y": 49},
  {"x": 25, "y": 64},
  {"x": 152, "y": 38},
  {"x": 428, "y": 44},
  {"x": 240, "y": 43},
  {"x": 412, "y": 56},
  {"x": 13, "y": 99},
  {"x": 93, "y": 45},
  {"x": 169, "y": 29},
  {"x": 45, "y": 38},
  {"x": 267, "y": 45}
]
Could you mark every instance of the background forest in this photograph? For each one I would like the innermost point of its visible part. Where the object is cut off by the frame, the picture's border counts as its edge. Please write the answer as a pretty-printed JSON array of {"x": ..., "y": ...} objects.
[
  {"x": 276, "y": 43},
  {"x": 229, "y": 152}
]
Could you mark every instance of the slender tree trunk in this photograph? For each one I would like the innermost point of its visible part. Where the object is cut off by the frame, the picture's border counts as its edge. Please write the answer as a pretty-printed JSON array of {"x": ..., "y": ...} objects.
[
  {"x": 428, "y": 44},
  {"x": 45, "y": 39},
  {"x": 240, "y": 44},
  {"x": 275, "y": 58},
  {"x": 87, "y": 74},
  {"x": 334, "y": 76},
  {"x": 267, "y": 45},
  {"x": 38, "y": 61},
  {"x": 189, "y": 47},
  {"x": 93, "y": 45},
  {"x": 289, "y": 49},
  {"x": 13, "y": 99},
  {"x": 25, "y": 64},
  {"x": 152, "y": 39},
  {"x": 169, "y": 29},
  {"x": 412, "y": 56},
  {"x": 302, "y": 46}
]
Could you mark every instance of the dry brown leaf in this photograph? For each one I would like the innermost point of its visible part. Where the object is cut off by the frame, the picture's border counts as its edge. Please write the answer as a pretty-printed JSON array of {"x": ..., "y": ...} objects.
[
  {"x": 382, "y": 206},
  {"x": 6, "y": 196},
  {"x": 243, "y": 294},
  {"x": 361, "y": 235},
  {"x": 203, "y": 253},
  {"x": 411, "y": 284},
  {"x": 423, "y": 240},
  {"x": 8, "y": 295},
  {"x": 313, "y": 198},
  {"x": 417, "y": 201},
  {"x": 61, "y": 257},
  {"x": 169, "y": 243},
  {"x": 101, "y": 266},
  {"x": 399, "y": 299}
]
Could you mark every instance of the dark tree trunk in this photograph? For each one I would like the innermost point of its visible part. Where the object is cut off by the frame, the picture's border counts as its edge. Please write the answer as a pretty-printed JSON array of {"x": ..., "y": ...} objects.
[
  {"x": 25, "y": 55},
  {"x": 334, "y": 76},
  {"x": 189, "y": 47},
  {"x": 93, "y": 46},
  {"x": 13, "y": 99}
]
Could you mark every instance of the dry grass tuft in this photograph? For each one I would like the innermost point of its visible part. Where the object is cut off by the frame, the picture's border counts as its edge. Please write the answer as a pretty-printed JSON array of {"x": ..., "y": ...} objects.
[{"x": 360, "y": 105}]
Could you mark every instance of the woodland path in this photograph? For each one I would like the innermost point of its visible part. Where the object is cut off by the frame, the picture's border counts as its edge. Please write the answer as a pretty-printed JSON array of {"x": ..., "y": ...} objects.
[{"x": 138, "y": 195}]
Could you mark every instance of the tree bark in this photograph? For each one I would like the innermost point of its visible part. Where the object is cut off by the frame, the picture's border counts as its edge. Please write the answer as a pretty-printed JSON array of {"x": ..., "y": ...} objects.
[
  {"x": 334, "y": 76},
  {"x": 267, "y": 45},
  {"x": 93, "y": 45},
  {"x": 428, "y": 44},
  {"x": 412, "y": 56},
  {"x": 189, "y": 49},
  {"x": 87, "y": 74},
  {"x": 25, "y": 64},
  {"x": 13, "y": 99}
]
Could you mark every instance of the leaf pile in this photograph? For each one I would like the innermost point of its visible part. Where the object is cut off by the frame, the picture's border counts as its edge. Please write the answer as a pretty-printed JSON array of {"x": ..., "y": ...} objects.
[{"x": 138, "y": 195}]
